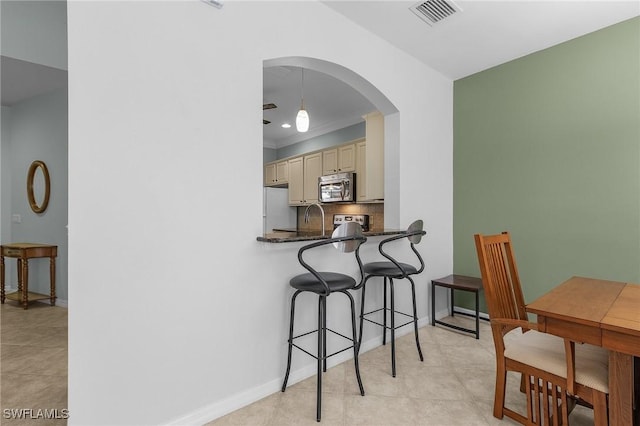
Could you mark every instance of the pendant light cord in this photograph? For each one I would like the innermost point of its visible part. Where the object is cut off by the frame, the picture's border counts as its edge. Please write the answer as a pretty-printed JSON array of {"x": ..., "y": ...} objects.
[
  {"x": 302, "y": 118},
  {"x": 302, "y": 90}
]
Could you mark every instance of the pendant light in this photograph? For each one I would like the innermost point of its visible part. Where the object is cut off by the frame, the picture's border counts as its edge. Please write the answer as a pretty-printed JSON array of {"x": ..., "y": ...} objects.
[{"x": 302, "y": 119}]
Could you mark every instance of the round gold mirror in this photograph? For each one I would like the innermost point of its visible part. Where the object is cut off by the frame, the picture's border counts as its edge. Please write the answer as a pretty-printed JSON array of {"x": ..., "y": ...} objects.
[{"x": 38, "y": 186}]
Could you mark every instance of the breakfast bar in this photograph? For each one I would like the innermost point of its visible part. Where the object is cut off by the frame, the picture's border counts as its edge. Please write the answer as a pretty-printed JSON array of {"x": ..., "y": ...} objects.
[{"x": 289, "y": 236}]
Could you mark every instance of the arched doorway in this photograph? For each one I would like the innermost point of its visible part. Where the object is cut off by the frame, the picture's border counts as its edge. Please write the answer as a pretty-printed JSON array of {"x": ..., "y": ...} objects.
[{"x": 381, "y": 103}]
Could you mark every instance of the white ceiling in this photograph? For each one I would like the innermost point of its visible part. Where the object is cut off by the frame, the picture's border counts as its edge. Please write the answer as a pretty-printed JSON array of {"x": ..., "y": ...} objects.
[{"x": 483, "y": 35}]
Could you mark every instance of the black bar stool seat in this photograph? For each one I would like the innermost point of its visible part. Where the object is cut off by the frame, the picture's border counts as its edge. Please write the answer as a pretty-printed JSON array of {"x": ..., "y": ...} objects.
[
  {"x": 389, "y": 269},
  {"x": 335, "y": 281}
]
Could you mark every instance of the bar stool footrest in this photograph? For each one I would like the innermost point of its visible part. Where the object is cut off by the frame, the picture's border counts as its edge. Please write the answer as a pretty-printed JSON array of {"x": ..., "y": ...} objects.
[
  {"x": 382, "y": 325},
  {"x": 329, "y": 355},
  {"x": 388, "y": 327}
]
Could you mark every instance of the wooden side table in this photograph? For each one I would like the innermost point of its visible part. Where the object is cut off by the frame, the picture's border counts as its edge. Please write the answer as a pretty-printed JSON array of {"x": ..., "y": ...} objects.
[
  {"x": 457, "y": 282},
  {"x": 23, "y": 252}
]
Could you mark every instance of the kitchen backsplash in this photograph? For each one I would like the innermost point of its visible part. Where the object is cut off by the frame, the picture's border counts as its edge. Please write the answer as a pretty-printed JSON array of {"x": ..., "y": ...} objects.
[{"x": 374, "y": 210}]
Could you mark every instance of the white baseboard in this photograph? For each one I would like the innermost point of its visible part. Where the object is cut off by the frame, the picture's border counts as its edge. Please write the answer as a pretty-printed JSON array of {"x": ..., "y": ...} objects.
[
  {"x": 216, "y": 410},
  {"x": 482, "y": 315},
  {"x": 213, "y": 411}
]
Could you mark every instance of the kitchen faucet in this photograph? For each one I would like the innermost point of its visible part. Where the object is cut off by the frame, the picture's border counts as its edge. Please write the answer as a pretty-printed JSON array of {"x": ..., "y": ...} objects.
[{"x": 306, "y": 214}]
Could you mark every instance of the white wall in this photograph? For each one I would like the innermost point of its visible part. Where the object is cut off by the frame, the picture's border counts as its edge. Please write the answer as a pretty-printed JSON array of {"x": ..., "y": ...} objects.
[
  {"x": 178, "y": 313},
  {"x": 38, "y": 131},
  {"x": 5, "y": 175},
  {"x": 35, "y": 31}
]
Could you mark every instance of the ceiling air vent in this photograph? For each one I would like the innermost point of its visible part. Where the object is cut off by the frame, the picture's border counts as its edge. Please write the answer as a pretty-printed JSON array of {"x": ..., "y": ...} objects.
[{"x": 434, "y": 11}]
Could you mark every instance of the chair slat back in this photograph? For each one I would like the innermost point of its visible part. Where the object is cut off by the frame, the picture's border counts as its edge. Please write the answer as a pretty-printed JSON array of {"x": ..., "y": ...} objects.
[{"x": 500, "y": 278}]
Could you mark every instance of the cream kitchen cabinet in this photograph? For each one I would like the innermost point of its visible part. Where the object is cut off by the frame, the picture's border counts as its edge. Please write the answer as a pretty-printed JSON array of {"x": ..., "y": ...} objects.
[
  {"x": 312, "y": 171},
  {"x": 276, "y": 173},
  {"x": 269, "y": 174},
  {"x": 296, "y": 181},
  {"x": 361, "y": 171},
  {"x": 303, "y": 179},
  {"x": 370, "y": 160},
  {"x": 339, "y": 159}
]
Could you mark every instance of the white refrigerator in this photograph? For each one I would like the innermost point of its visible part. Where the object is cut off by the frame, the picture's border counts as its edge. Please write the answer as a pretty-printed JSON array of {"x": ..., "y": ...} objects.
[{"x": 276, "y": 212}]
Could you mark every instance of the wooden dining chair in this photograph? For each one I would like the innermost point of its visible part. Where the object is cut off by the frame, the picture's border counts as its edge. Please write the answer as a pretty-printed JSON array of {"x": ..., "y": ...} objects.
[{"x": 555, "y": 372}]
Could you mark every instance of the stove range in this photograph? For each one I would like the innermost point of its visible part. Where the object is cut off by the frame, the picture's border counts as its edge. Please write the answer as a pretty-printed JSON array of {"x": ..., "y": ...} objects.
[{"x": 362, "y": 219}]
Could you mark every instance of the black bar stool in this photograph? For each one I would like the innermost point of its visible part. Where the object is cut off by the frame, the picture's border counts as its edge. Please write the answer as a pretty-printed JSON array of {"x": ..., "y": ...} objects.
[
  {"x": 347, "y": 238},
  {"x": 393, "y": 269}
]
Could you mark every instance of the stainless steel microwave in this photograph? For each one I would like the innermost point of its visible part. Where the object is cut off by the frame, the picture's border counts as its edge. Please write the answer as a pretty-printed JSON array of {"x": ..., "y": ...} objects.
[{"x": 340, "y": 187}]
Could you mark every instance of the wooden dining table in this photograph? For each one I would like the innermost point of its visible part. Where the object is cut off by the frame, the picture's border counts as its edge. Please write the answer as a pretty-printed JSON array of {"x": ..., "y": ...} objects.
[{"x": 602, "y": 313}]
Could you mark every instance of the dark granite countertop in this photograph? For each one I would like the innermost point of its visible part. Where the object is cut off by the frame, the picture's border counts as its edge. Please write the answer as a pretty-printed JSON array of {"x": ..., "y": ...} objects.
[{"x": 289, "y": 236}]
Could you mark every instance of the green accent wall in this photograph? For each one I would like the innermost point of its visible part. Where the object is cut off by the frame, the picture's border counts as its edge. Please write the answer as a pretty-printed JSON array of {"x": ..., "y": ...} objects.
[{"x": 547, "y": 147}]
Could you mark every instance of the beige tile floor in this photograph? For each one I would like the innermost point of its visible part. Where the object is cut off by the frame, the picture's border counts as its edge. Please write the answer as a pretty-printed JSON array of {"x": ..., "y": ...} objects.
[
  {"x": 453, "y": 386},
  {"x": 33, "y": 363}
]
